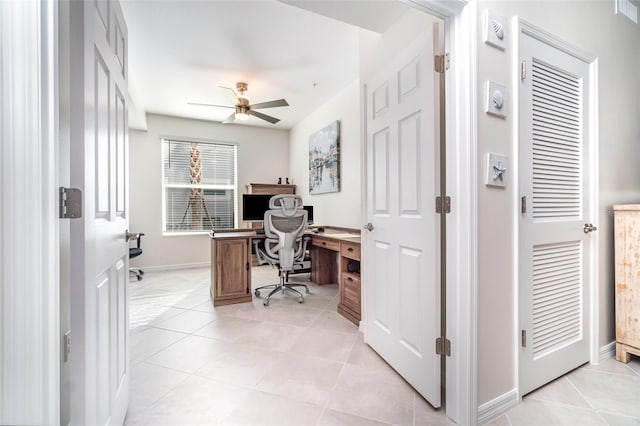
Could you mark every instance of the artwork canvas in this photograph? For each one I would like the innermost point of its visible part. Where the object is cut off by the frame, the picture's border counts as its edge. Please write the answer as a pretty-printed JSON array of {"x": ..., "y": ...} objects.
[{"x": 324, "y": 160}]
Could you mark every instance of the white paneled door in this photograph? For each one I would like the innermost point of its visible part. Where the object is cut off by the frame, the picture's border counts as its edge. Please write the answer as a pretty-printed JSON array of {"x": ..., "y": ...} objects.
[
  {"x": 402, "y": 292},
  {"x": 555, "y": 240},
  {"x": 99, "y": 252}
]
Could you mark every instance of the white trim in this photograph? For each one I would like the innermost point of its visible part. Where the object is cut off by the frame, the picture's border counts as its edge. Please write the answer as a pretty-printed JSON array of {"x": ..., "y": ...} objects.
[
  {"x": 29, "y": 274},
  {"x": 594, "y": 215},
  {"x": 546, "y": 37},
  {"x": 497, "y": 406},
  {"x": 462, "y": 256},
  {"x": 607, "y": 351},
  {"x": 174, "y": 267}
]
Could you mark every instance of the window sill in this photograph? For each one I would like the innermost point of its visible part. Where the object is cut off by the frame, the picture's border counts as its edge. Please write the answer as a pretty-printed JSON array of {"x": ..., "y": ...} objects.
[{"x": 183, "y": 234}]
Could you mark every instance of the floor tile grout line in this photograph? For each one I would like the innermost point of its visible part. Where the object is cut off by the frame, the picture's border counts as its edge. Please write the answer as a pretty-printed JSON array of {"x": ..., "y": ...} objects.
[{"x": 580, "y": 393}]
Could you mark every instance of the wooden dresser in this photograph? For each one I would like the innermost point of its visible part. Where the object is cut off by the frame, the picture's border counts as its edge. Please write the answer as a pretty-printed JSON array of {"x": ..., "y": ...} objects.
[{"x": 627, "y": 273}]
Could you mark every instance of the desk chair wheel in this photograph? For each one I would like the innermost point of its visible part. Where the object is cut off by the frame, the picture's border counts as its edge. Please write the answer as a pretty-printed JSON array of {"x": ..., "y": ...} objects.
[
  {"x": 257, "y": 293},
  {"x": 300, "y": 300},
  {"x": 266, "y": 302}
]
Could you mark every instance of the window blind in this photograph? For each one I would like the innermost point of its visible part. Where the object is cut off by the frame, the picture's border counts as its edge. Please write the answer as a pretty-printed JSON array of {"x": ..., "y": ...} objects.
[{"x": 199, "y": 184}]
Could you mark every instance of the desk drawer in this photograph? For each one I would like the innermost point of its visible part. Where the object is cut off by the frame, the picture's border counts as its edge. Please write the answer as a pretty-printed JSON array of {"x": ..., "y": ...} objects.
[
  {"x": 350, "y": 291},
  {"x": 350, "y": 250},
  {"x": 325, "y": 243}
]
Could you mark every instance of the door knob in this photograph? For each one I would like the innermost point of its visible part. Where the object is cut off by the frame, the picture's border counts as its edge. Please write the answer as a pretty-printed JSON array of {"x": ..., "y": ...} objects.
[
  {"x": 130, "y": 235},
  {"x": 368, "y": 226},
  {"x": 588, "y": 227}
]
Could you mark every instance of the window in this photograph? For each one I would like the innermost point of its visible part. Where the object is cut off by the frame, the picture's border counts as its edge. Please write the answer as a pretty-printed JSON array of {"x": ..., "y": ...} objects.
[{"x": 199, "y": 186}]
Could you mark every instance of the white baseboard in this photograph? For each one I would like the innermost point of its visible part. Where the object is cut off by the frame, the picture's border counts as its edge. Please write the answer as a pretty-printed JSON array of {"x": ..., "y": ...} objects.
[
  {"x": 161, "y": 268},
  {"x": 608, "y": 350},
  {"x": 497, "y": 406}
]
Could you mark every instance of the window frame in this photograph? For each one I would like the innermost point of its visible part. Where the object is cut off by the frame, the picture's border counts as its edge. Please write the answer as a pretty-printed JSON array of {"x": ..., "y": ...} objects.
[{"x": 164, "y": 186}]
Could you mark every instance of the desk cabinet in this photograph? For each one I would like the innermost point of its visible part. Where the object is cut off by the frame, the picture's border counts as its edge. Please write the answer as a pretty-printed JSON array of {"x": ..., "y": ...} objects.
[
  {"x": 627, "y": 277},
  {"x": 350, "y": 294},
  {"x": 230, "y": 271}
]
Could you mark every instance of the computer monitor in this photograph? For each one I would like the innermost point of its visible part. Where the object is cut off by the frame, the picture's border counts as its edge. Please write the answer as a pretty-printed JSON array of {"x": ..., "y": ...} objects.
[{"x": 254, "y": 206}]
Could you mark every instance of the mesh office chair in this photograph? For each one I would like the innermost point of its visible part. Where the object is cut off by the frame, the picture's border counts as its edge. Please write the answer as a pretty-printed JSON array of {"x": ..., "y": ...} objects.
[
  {"x": 135, "y": 252},
  {"x": 284, "y": 227}
]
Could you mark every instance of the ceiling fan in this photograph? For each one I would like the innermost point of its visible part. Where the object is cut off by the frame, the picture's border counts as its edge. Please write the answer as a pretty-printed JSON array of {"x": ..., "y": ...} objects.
[{"x": 243, "y": 109}]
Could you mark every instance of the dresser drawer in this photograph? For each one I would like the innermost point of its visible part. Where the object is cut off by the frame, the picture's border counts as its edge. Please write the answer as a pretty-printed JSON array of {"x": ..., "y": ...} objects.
[
  {"x": 350, "y": 250},
  {"x": 350, "y": 291},
  {"x": 325, "y": 243}
]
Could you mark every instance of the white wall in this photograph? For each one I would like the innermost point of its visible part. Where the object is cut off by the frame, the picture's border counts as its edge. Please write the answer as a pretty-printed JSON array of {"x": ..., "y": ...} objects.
[
  {"x": 593, "y": 27},
  {"x": 337, "y": 208},
  {"x": 263, "y": 156}
]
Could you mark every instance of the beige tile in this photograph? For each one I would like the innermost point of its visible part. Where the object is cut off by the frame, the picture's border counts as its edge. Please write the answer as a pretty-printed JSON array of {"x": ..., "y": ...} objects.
[
  {"x": 614, "y": 393},
  {"x": 150, "y": 382},
  {"x": 205, "y": 307},
  {"x": 610, "y": 365},
  {"x": 272, "y": 336},
  {"x": 190, "y": 300},
  {"x": 333, "y": 321},
  {"x": 229, "y": 329},
  {"x": 560, "y": 390},
  {"x": 302, "y": 378},
  {"x": 189, "y": 354},
  {"x": 499, "y": 421},
  {"x": 195, "y": 401},
  {"x": 324, "y": 344},
  {"x": 240, "y": 364},
  {"x": 362, "y": 354},
  {"x": 259, "y": 408},
  {"x": 151, "y": 340},
  {"x": 336, "y": 418},
  {"x": 297, "y": 314},
  {"x": 532, "y": 412},
  {"x": 616, "y": 420},
  {"x": 373, "y": 393},
  {"x": 187, "y": 321},
  {"x": 426, "y": 415}
]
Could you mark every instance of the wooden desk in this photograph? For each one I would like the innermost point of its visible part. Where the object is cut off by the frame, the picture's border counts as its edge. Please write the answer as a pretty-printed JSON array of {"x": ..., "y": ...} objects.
[{"x": 332, "y": 252}]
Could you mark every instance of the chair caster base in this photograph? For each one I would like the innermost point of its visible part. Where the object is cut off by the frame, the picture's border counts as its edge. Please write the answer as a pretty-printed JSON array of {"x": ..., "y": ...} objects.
[{"x": 265, "y": 303}]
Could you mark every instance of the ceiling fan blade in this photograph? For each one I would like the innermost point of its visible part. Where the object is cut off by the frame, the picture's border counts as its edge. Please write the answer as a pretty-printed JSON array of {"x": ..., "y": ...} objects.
[
  {"x": 265, "y": 117},
  {"x": 212, "y": 105},
  {"x": 270, "y": 104},
  {"x": 233, "y": 92},
  {"x": 230, "y": 119}
]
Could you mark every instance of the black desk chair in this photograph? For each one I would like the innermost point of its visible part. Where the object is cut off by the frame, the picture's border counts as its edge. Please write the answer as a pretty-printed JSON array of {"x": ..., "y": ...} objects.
[{"x": 135, "y": 252}]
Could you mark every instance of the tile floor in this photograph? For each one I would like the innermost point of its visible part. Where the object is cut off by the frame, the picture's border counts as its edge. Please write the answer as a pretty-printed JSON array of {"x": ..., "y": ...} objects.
[
  {"x": 604, "y": 394},
  {"x": 292, "y": 364},
  {"x": 287, "y": 364}
]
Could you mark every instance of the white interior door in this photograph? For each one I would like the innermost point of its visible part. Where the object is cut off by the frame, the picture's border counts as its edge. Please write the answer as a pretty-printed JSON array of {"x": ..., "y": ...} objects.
[
  {"x": 99, "y": 252},
  {"x": 402, "y": 290},
  {"x": 554, "y": 247}
]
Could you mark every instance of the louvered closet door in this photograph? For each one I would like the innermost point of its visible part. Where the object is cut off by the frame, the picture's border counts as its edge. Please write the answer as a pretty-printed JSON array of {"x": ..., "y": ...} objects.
[{"x": 554, "y": 250}]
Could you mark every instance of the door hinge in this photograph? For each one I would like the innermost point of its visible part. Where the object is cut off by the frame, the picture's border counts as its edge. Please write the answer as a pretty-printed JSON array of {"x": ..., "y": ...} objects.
[
  {"x": 248, "y": 266},
  {"x": 441, "y": 62},
  {"x": 443, "y": 346},
  {"x": 66, "y": 346},
  {"x": 70, "y": 202},
  {"x": 523, "y": 70},
  {"x": 443, "y": 205},
  {"x": 523, "y": 338},
  {"x": 523, "y": 204}
]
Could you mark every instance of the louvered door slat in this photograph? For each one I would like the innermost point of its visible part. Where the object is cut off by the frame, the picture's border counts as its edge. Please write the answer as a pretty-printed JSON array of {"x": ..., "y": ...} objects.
[
  {"x": 556, "y": 288},
  {"x": 556, "y": 130}
]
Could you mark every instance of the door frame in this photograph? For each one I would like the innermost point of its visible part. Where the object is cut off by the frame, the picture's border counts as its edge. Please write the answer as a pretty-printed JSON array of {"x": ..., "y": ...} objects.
[
  {"x": 29, "y": 253},
  {"x": 460, "y": 24},
  {"x": 524, "y": 27}
]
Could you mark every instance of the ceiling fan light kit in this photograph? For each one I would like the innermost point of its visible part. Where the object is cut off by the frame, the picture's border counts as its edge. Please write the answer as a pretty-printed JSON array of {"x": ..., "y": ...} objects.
[{"x": 243, "y": 108}]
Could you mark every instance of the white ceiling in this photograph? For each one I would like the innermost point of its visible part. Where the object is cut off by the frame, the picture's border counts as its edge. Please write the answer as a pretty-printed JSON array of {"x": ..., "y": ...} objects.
[{"x": 181, "y": 51}]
